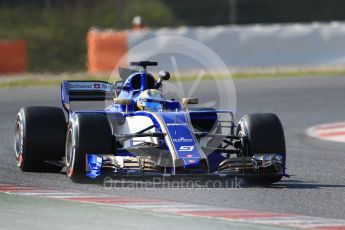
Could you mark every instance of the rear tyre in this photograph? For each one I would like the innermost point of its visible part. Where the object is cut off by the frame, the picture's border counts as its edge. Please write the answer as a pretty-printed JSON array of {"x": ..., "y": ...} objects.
[
  {"x": 262, "y": 133},
  {"x": 86, "y": 133},
  {"x": 39, "y": 138}
]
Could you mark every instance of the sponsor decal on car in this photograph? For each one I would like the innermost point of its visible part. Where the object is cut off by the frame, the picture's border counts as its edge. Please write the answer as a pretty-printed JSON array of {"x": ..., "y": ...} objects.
[
  {"x": 182, "y": 139},
  {"x": 185, "y": 148},
  {"x": 176, "y": 124},
  {"x": 105, "y": 86},
  {"x": 77, "y": 86},
  {"x": 87, "y": 86}
]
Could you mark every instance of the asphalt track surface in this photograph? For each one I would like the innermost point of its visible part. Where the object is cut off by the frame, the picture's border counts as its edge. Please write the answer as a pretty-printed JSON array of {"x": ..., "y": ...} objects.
[{"x": 317, "y": 184}]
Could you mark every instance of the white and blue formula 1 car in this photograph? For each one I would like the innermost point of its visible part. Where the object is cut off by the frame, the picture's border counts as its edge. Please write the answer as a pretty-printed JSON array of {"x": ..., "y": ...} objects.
[{"x": 142, "y": 134}]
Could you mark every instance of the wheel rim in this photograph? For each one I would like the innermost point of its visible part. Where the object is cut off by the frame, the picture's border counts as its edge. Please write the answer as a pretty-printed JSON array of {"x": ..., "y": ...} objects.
[
  {"x": 19, "y": 142},
  {"x": 70, "y": 153},
  {"x": 244, "y": 142}
]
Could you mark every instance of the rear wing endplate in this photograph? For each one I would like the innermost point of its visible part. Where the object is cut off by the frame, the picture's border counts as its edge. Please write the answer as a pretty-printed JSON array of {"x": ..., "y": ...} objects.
[{"x": 85, "y": 91}]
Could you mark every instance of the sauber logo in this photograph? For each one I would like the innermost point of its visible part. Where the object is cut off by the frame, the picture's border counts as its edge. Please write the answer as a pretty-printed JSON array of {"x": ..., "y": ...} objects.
[
  {"x": 182, "y": 139},
  {"x": 186, "y": 148}
]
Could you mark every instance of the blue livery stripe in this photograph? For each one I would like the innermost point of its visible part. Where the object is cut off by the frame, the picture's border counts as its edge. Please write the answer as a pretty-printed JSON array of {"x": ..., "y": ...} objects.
[{"x": 182, "y": 138}]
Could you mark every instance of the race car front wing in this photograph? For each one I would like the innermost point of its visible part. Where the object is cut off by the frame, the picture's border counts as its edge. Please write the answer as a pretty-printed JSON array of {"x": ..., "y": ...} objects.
[{"x": 110, "y": 165}]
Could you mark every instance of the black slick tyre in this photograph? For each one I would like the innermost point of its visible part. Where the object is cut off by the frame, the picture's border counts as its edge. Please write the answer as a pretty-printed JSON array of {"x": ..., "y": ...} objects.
[
  {"x": 86, "y": 133},
  {"x": 39, "y": 138},
  {"x": 262, "y": 133}
]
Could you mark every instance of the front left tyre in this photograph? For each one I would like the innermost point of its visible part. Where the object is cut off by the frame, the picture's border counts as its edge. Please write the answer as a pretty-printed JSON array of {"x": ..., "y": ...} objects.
[
  {"x": 40, "y": 138},
  {"x": 86, "y": 133}
]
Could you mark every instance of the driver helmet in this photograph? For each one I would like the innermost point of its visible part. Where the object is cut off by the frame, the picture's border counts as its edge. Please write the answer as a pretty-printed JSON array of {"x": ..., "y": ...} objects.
[{"x": 150, "y": 100}]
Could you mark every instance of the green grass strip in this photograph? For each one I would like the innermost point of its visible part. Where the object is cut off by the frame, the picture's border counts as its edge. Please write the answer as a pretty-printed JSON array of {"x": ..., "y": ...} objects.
[{"x": 46, "y": 80}]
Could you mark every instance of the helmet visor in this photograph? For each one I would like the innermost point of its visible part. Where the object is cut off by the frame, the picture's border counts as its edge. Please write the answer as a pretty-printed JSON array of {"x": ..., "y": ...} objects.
[{"x": 152, "y": 106}]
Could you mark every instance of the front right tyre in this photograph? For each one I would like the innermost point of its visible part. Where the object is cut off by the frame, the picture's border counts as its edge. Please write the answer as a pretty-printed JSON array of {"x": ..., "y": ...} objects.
[
  {"x": 39, "y": 138},
  {"x": 262, "y": 133}
]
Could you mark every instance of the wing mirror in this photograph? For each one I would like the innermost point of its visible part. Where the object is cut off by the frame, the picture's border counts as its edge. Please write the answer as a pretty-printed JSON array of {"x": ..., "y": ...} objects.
[
  {"x": 189, "y": 101},
  {"x": 118, "y": 86},
  {"x": 162, "y": 76},
  {"x": 123, "y": 101}
]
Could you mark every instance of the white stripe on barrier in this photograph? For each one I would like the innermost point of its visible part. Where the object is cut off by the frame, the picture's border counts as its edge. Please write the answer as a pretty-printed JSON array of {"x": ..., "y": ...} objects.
[{"x": 275, "y": 45}]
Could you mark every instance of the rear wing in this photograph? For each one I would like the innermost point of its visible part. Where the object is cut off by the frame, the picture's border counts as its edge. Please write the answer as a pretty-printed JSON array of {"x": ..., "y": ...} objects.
[{"x": 85, "y": 91}]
